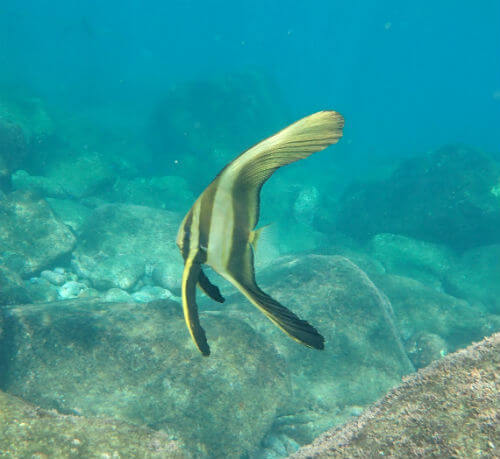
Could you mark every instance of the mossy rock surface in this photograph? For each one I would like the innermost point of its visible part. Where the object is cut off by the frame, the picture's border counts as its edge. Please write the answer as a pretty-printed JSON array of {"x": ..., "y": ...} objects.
[
  {"x": 137, "y": 363},
  {"x": 449, "y": 409},
  {"x": 28, "y": 431},
  {"x": 120, "y": 243},
  {"x": 31, "y": 236},
  {"x": 363, "y": 355},
  {"x": 419, "y": 308},
  {"x": 476, "y": 277},
  {"x": 448, "y": 196}
]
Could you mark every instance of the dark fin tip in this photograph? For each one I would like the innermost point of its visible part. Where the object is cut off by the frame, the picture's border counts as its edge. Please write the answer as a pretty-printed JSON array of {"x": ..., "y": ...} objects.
[{"x": 205, "y": 349}]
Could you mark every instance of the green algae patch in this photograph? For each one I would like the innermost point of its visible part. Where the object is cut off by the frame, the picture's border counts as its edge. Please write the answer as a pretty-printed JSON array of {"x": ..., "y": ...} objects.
[
  {"x": 449, "y": 409},
  {"x": 28, "y": 431}
]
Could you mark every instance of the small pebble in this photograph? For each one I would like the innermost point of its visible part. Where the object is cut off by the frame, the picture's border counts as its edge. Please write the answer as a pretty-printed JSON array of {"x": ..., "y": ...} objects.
[
  {"x": 53, "y": 277},
  {"x": 71, "y": 289}
]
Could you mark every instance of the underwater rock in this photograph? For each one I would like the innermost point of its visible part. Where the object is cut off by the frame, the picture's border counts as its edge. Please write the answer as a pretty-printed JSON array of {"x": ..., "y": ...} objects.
[
  {"x": 71, "y": 289},
  {"x": 136, "y": 362},
  {"x": 31, "y": 237},
  {"x": 151, "y": 293},
  {"x": 12, "y": 290},
  {"x": 41, "y": 290},
  {"x": 28, "y": 431},
  {"x": 449, "y": 409},
  {"x": 476, "y": 277},
  {"x": 70, "y": 212},
  {"x": 13, "y": 150},
  {"x": 419, "y": 308},
  {"x": 29, "y": 114},
  {"x": 444, "y": 197},
  {"x": 171, "y": 193},
  {"x": 424, "y": 261},
  {"x": 107, "y": 271},
  {"x": 306, "y": 205},
  {"x": 423, "y": 348},
  {"x": 167, "y": 275},
  {"x": 56, "y": 277},
  {"x": 117, "y": 295},
  {"x": 201, "y": 125},
  {"x": 120, "y": 242},
  {"x": 363, "y": 355},
  {"x": 81, "y": 175},
  {"x": 40, "y": 185}
]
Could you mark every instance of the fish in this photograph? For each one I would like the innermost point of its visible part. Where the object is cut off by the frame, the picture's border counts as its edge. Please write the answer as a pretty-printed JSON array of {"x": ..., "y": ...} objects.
[{"x": 220, "y": 228}]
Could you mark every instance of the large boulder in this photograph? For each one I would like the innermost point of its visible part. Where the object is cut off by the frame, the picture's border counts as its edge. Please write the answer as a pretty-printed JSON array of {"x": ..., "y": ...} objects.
[
  {"x": 25, "y": 131},
  {"x": 424, "y": 261},
  {"x": 449, "y": 409},
  {"x": 476, "y": 277},
  {"x": 31, "y": 237},
  {"x": 13, "y": 149},
  {"x": 169, "y": 192},
  {"x": 363, "y": 354},
  {"x": 29, "y": 431},
  {"x": 136, "y": 362},
  {"x": 12, "y": 289},
  {"x": 449, "y": 196},
  {"x": 70, "y": 212},
  {"x": 29, "y": 113},
  {"x": 201, "y": 125},
  {"x": 420, "y": 309},
  {"x": 82, "y": 174},
  {"x": 120, "y": 244},
  {"x": 38, "y": 184}
]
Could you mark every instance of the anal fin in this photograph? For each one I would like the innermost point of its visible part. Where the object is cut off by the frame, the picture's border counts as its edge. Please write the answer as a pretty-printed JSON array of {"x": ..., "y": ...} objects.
[{"x": 190, "y": 277}]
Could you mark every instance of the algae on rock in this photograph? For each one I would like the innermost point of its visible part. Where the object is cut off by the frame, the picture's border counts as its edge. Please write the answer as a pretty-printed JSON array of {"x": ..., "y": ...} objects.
[
  {"x": 136, "y": 362},
  {"x": 120, "y": 243},
  {"x": 31, "y": 237},
  {"x": 449, "y": 409},
  {"x": 363, "y": 355},
  {"x": 28, "y": 431},
  {"x": 443, "y": 197}
]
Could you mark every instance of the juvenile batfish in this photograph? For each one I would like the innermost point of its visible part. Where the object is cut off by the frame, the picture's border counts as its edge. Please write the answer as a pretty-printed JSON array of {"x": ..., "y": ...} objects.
[{"x": 219, "y": 230}]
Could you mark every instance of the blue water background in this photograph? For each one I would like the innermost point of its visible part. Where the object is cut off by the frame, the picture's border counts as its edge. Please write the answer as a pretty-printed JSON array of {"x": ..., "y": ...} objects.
[{"x": 408, "y": 76}]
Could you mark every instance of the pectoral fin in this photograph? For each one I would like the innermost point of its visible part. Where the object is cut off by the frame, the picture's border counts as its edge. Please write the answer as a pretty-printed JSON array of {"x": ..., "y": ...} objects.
[
  {"x": 208, "y": 288},
  {"x": 190, "y": 278}
]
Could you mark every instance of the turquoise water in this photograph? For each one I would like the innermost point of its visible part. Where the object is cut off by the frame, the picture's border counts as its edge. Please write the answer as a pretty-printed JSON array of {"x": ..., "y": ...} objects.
[{"x": 115, "y": 116}]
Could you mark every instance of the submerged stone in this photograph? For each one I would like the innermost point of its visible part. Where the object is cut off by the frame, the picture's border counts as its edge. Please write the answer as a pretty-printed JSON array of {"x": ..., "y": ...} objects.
[
  {"x": 40, "y": 185},
  {"x": 28, "y": 431},
  {"x": 70, "y": 212},
  {"x": 442, "y": 197},
  {"x": 476, "y": 277},
  {"x": 13, "y": 150},
  {"x": 170, "y": 192},
  {"x": 421, "y": 260},
  {"x": 449, "y": 409},
  {"x": 31, "y": 237},
  {"x": 419, "y": 308},
  {"x": 200, "y": 125},
  {"x": 136, "y": 362},
  {"x": 12, "y": 290},
  {"x": 83, "y": 174},
  {"x": 120, "y": 243},
  {"x": 363, "y": 355}
]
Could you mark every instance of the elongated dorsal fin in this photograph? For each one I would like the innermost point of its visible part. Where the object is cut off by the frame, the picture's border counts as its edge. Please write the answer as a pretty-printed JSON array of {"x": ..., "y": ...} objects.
[{"x": 297, "y": 141}]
